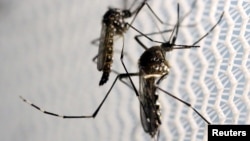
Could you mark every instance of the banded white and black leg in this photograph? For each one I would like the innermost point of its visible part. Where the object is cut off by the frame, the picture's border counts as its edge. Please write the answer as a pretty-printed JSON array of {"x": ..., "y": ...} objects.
[{"x": 118, "y": 77}]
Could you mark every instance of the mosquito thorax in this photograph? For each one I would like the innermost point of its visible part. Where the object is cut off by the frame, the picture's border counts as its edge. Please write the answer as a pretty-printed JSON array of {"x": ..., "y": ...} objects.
[
  {"x": 153, "y": 63},
  {"x": 115, "y": 17},
  {"x": 109, "y": 16}
]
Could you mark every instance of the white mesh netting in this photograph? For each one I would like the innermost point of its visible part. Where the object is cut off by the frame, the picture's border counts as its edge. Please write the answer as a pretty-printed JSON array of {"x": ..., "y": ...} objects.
[{"x": 46, "y": 57}]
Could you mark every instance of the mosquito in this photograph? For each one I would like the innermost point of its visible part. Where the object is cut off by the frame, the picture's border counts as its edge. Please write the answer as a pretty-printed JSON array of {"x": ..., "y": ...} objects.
[
  {"x": 114, "y": 25},
  {"x": 113, "y": 19},
  {"x": 153, "y": 68}
]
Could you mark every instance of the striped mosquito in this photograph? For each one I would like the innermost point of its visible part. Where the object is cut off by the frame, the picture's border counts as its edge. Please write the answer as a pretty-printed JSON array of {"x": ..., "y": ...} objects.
[
  {"x": 113, "y": 19},
  {"x": 113, "y": 25},
  {"x": 153, "y": 68}
]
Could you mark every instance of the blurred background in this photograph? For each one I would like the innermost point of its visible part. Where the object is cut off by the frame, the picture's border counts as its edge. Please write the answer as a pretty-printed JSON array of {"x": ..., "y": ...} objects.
[{"x": 46, "y": 56}]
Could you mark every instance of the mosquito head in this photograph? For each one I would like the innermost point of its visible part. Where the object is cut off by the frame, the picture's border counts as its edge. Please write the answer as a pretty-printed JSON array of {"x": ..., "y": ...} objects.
[
  {"x": 109, "y": 16},
  {"x": 126, "y": 13},
  {"x": 167, "y": 46}
]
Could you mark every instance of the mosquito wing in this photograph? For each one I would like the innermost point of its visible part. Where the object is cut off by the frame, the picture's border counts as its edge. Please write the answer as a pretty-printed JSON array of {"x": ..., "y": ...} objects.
[
  {"x": 149, "y": 108},
  {"x": 105, "y": 53},
  {"x": 101, "y": 51}
]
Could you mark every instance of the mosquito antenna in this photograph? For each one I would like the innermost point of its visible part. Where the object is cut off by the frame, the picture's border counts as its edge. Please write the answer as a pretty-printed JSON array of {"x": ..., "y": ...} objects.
[
  {"x": 180, "y": 21},
  {"x": 210, "y": 29},
  {"x": 194, "y": 44}
]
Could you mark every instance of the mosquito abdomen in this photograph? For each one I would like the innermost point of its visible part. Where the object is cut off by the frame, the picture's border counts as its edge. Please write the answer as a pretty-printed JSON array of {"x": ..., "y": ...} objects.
[
  {"x": 113, "y": 24},
  {"x": 105, "y": 59}
]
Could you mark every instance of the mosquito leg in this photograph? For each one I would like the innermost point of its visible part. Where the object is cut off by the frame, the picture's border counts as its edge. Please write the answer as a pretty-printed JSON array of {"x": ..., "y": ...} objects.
[
  {"x": 119, "y": 76},
  {"x": 51, "y": 113},
  {"x": 132, "y": 83},
  {"x": 161, "y": 78},
  {"x": 151, "y": 10},
  {"x": 142, "y": 34},
  {"x": 136, "y": 12},
  {"x": 95, "y": 42},
  {"x": 165, "y": 23},
  {"x": 184, "y": 102},
  {"x": 157, "y": 136},
  {"x": 148, "y": 34},
  {"x": 126, "y": 76},
  {"x": 94, "y": 59},
  {"x": 176, "y": 28}
]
